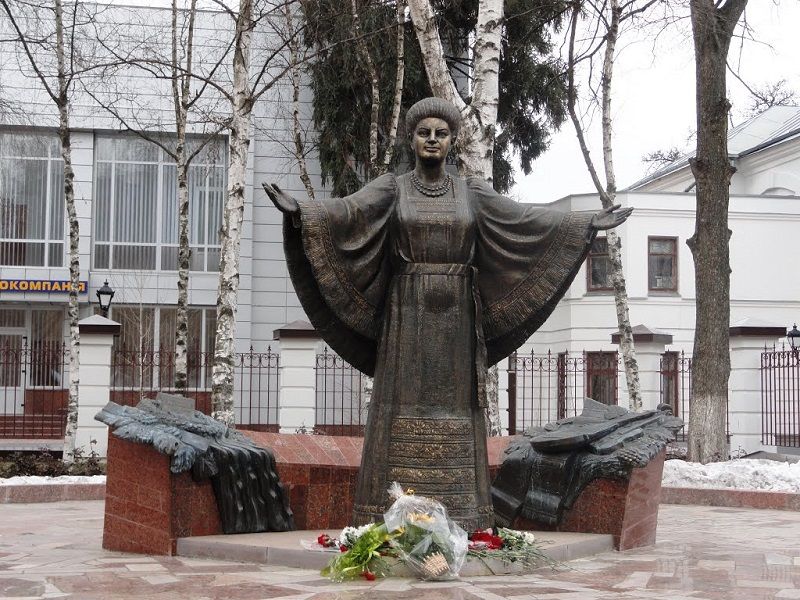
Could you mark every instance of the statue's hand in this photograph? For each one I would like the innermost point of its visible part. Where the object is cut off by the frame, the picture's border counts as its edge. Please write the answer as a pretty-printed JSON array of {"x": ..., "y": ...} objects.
[
  {"x": 608, "y": 218},
  {"x": 282, "y": 201}
]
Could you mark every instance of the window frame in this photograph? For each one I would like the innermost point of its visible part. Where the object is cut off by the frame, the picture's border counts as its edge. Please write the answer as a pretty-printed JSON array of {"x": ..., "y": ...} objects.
[
  {"x": 49, "y": 241},
  {"x": 602, "y": 364},
  {"x": 161, "y": 243},
  {"x": 589, "y": 258},
  {"x": 673, "y": 255}
]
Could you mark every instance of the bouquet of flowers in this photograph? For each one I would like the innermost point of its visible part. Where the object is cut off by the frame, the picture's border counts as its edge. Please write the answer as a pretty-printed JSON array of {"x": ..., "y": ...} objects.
[
  {"x": 417, "y": 531},
  {"x": 364, "y": 558},
  {"x": 507, "y": 545},
  {"x": 432, "y": 545}
]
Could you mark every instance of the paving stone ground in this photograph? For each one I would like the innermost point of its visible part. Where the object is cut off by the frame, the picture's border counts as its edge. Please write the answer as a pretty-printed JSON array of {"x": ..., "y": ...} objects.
[{"x": 54, "y": 551}]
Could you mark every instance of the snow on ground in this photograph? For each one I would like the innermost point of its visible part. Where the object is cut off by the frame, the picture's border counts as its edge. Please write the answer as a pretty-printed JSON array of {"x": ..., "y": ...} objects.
[
  {"x": 743, "y": 474},
  {"x": 64, "y": 479}
]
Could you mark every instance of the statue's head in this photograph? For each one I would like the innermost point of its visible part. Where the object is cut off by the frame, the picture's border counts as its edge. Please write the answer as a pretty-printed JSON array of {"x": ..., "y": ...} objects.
[
  {"x": 433, "y": 107},
  {"x": 432, "y": 124}
]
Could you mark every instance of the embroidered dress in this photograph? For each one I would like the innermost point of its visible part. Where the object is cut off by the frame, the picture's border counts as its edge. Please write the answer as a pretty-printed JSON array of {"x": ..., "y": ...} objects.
[{"x": 423, "y": 293}]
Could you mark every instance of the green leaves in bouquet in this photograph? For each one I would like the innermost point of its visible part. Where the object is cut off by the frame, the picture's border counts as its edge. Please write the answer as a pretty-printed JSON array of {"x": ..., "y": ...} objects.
[
  {"x": 420, "y": 542},
  {"x": 363, "y": 557}
]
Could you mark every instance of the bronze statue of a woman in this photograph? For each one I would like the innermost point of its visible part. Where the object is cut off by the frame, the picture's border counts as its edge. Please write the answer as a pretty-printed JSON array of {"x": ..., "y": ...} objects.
[{"x": 423, "y": 280}]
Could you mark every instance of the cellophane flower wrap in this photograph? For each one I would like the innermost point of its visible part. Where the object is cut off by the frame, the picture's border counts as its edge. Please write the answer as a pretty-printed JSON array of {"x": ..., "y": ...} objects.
[{"x": 432, "y": 545}]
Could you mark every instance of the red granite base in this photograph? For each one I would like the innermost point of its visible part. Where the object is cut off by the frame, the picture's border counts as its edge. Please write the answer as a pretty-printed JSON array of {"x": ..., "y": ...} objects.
[
  {"x": 731, "y": 498},
  {"x": 319, "y": 473},
  {"x": 628, "y": 510},
  {"x": 51, "y": 492},
  {"x": 148, "y": 507}
]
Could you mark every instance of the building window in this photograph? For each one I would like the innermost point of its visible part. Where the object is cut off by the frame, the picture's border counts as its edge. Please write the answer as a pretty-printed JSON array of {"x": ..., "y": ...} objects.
[
  {"x": 32, "y": 350},
  {"x": 136, "y": 199},
  {"x": 669, "y": 381},
  {"x": 601, "y": 376},
  {"x": 144, "y": 351},
  {"x": 598, "y": 267},
  {"x": 32, "y": 217},
  {"x": 47, "y": 348},
  {"x": 662, "y": 264}
]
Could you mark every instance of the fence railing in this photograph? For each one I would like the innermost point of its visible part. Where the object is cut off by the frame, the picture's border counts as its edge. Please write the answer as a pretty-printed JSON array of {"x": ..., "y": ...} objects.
[
  {"x": 341, "y": 406},
  {"x": 142, "y": 374},
  {"x": 34, "y": 387},
  {"x": 780, "y": 398},
  {"x": 546, "y": 387},
  {"x": 676, "y": 386}
]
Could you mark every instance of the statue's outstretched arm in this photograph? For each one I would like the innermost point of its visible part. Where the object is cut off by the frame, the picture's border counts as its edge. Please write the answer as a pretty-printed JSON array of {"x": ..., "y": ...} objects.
[
  {"x": 608, "y": 218},
  {"x": 283, "y": 202}
]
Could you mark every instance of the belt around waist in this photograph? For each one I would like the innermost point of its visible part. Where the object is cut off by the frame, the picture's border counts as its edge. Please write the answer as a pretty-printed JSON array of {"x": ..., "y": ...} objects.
[{"x": 455, "y": 269}]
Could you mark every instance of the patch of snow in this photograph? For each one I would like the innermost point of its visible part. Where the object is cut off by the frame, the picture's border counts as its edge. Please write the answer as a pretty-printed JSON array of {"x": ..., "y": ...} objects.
[
  {"x": 62, "y": 480},
  {"x": 740, "y": 474}
]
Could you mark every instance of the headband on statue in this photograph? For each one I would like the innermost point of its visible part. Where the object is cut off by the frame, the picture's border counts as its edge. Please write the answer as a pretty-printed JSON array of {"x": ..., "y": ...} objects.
[{"x": 433, "y": 107}]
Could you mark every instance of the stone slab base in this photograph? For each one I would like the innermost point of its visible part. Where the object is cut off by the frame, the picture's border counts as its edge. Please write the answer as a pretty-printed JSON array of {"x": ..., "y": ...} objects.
[
  {"x": 731, "y": 498},
  {"x": 284, "y": 549},
  {"x": 319, "y": 473},
  {"x": 628, "y": 510},
  {"x": 53, "y": 492},
  {"x": 147, "y": 507}
]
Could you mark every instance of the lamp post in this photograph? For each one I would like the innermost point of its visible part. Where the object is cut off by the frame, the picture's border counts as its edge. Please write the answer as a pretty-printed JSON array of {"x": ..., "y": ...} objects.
[
  {"x": 104, "y": 297},
  {"x": 793, "y": 336}
]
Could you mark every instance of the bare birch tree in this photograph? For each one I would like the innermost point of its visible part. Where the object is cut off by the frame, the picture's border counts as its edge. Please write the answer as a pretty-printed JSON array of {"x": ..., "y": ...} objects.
[
  {"x": 241, "y": 99},
  {"x": 180, "y": 71},
  {"x": 609, "y": 17},
  {"x": 55, "y": 42},
  {"x": 475, "y": 142},
  {"x": 246, "y": 90},
  {"x": 713, "y": 25},
  {"x": 399, "y": 78},
  {"x": 298, "y": 134}
]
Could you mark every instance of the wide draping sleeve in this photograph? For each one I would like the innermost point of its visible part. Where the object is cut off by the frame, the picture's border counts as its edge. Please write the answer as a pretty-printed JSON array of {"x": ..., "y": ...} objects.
[
  {"x": 340, "y": 268},
  {"x": 526, "y": 256}
]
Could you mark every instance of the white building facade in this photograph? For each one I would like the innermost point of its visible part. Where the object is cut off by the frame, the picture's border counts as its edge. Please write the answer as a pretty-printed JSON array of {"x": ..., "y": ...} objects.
[
  {"x": 125, "y": 197},
  {"x": 764, "y": 218}
]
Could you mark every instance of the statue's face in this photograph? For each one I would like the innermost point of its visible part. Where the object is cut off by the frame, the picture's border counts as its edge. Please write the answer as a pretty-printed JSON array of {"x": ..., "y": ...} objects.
[{"x": 431, "y": 140}]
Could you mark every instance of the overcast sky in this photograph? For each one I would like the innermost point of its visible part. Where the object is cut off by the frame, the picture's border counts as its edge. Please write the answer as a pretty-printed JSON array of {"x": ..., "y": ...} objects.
[{"x": 653, "y": 100}]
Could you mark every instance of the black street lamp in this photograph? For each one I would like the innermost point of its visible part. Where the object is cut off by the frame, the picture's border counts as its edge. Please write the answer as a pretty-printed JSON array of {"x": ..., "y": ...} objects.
[
  {"x": 794, "y": 339},
  {"x": 104, "y": 296}
]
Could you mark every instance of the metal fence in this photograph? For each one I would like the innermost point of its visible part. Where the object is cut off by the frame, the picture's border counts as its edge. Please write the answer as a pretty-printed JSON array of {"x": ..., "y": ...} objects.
[
  {"x": 546, "y": 387},
  {"x": 676, "y": 386},
  {"x": 34, "y": 387},
  {"x": 341, "y": 396},
  {"x": 142, "y": 374},
  {"x": 780, "y": 398}
]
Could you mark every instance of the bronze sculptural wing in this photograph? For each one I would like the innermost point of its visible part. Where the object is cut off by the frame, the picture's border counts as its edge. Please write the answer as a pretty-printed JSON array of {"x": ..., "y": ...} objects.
[{"x": 423, "y": 292}]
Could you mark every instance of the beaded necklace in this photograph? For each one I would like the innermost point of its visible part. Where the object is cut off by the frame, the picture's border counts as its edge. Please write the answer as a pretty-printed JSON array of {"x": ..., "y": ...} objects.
[{"x": 432, "y": 191}]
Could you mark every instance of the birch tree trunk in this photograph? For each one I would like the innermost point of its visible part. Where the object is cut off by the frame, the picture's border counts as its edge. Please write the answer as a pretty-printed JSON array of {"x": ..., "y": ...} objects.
[
  {"x": 608, "y": 193},
  {"x": 293, "y": 44},
  {"x": 180, "y": 99},
  {"x": 230, "y": 236},
  {"x": 74, "y": 238},
  {"x": 60, "y": 97},
  {"x": 712, "y": 28},
  {"x": 374, "y": 82},
  {"x": 475, "y": 143},
  {"x": 397, "y": 101}
]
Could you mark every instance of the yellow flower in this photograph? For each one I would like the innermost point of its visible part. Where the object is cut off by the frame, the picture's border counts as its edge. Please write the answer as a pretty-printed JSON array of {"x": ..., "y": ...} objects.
[{"x": 423, "y": 517}]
